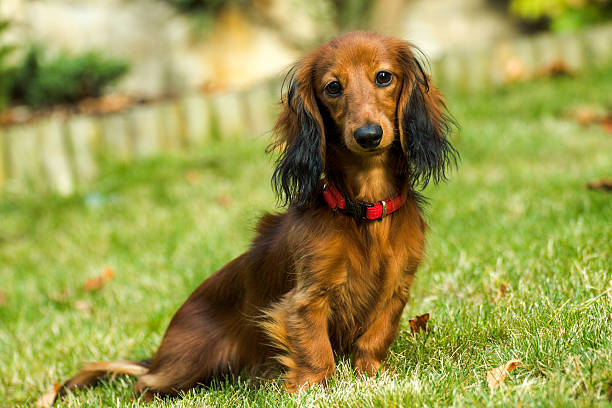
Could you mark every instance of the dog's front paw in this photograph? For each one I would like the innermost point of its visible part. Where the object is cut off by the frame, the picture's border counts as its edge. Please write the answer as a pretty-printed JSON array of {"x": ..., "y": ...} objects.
[
  {"x": 367, "y": 366},
  {"x": 295, "y": 380}
]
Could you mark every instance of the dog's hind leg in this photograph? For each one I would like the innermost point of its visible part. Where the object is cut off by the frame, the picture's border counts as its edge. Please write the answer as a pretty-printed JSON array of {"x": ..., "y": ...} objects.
[{"x": 202, "y": 342}]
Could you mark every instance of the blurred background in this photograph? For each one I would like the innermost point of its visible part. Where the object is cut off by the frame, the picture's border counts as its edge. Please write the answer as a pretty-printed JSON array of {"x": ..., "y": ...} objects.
[{"x": 80, "y": 69}]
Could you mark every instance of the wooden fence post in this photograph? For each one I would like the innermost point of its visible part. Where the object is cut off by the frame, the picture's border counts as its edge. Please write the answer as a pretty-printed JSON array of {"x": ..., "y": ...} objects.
[
  {"x": 546, "y": 52},
  {"x": 229, "y": 115},
  {"x": 83, "y": 136},
  {"x": 198, "y": 126},
  {"x": 453, "y": 72},
  {"x": 146, "y": 128},
  {"x": 260, "y": 110},
  {"x": 173, "y": 129},
  {"x": 599, "y": 45},
  {"x": 24, "y": 156},
  {"x": 573, "y": 51},
  {"x": 54, "y": 156},
  {"x": 115, "y": 136}
]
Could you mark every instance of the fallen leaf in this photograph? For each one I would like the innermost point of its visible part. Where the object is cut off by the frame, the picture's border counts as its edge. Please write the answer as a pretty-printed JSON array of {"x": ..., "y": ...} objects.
[
  {"x": 47, "y": 399},
  {"x": 419, "y": 323},
  {"x": 500, "y": 293},
  {"x": 224, "y": 200},
  {"x": 497, "y": 375},
  {"x": 601, "y": 185},
  {"x": 82, "y": 306},
  {"x": 98, "y": 282},
  {"x": 585, "y": 115},
  {"x": 606, "y": 123},
  {"x": 192, "y": 176}
]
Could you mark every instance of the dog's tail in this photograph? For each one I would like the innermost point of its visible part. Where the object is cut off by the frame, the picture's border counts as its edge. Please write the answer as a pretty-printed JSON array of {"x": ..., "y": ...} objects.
[{"x": 91, "y": 373}]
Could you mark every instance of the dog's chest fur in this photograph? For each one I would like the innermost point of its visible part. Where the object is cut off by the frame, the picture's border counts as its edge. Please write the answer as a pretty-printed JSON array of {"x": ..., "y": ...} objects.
[{"x": 378, "y": 266}]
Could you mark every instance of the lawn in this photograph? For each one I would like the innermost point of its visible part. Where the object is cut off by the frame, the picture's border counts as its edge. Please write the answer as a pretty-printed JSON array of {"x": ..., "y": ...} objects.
[{"x": 515, "y": 213}]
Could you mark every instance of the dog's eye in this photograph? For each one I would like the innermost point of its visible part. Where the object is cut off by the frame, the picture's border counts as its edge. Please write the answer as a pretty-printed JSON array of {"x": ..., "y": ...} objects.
[
  {"x": 383, "y": 78},
  {"x": 333, "y": 88}
]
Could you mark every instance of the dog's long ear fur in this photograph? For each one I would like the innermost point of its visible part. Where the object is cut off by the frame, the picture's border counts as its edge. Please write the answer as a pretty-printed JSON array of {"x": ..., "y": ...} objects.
[
  {"x": 300, "y": 137},
  {"x": 424, "y": 124}
]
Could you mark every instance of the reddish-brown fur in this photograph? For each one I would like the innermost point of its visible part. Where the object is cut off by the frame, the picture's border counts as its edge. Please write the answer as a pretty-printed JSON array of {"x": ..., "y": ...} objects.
[{"x": 316, "y": 283}]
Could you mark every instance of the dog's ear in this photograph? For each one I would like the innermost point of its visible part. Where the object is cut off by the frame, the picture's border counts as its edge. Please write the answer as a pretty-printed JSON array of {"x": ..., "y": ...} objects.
[
  {"x": 300, "y": 138},
  {"x": 424, "y": 124}
]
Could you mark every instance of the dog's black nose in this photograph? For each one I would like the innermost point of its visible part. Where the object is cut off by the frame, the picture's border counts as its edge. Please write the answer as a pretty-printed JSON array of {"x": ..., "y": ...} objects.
[{"x": 368, "y": 136}]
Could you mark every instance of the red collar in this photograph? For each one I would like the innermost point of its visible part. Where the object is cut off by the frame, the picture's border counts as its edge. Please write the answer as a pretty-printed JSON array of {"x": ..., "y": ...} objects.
[{"x": 360, "y": 209}]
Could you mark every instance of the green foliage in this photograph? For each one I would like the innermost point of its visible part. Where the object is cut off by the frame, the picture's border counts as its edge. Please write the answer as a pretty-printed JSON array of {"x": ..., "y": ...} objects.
[
  {"x": 64, "y": 79},
  {"x": 563, "y": 15},
  {"x": 352, "y": 14},
  {"x": 5, "y": 51},
  {"x": 206, "y": 5}
]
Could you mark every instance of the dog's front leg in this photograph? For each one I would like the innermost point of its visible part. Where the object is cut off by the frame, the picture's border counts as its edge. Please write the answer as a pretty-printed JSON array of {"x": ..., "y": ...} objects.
[
  {"x": 298, "y": 324},
  {"x": 371, "y": 348}
]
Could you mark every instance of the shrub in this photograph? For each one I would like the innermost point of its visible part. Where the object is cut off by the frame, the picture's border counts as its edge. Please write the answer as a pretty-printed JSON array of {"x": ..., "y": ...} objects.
[
  {"x": 205, "y": 5},
  {"x": 5, "y": 51},
  {"x": 63, "y": 79}
]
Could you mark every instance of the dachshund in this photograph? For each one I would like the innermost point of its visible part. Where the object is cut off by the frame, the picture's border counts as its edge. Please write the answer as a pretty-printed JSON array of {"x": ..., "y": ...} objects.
[{"x": 360, "y": 133}]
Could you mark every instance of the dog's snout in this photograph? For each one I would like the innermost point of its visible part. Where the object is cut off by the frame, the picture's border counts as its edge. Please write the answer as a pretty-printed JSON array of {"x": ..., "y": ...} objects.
[{"x": 368, "y": 136}]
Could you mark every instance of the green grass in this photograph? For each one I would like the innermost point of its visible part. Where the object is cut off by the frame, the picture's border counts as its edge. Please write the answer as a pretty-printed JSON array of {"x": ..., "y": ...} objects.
[{"x": 516, "y": 211}]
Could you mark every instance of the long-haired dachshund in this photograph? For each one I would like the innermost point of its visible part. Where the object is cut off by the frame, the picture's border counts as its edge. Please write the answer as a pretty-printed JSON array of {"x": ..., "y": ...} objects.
[{"x": 361, "y": 130}]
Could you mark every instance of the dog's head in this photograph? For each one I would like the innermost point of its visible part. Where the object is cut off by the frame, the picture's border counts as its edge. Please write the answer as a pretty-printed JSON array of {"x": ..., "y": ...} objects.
[{"x": 367, "y": 93}]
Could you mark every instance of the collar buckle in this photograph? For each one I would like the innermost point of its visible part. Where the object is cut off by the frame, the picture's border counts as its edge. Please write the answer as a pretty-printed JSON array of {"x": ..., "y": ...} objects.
[{"x": 357, "y": 209}]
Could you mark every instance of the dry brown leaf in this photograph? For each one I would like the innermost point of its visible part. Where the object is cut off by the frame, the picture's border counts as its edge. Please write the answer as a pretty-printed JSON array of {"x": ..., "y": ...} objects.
[
  {"x": 46, "y": 400},
  {"x": 606, "y": 123},
  {"x": 98, "y": 282},
  {"x": 224, "y": 200},
  {"x": 497, "y": 375},
  {"x": 585, "y": 115},
  {"x": 192, "y": 176},
  {"x": 500, "y": 293},
  {"x": 419, "y": 323},
  {"x": 601, "y": 185}
]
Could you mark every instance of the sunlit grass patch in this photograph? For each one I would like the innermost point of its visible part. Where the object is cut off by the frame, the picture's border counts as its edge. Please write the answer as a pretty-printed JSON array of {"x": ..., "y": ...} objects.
[{"x": 516, "y": 213}]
